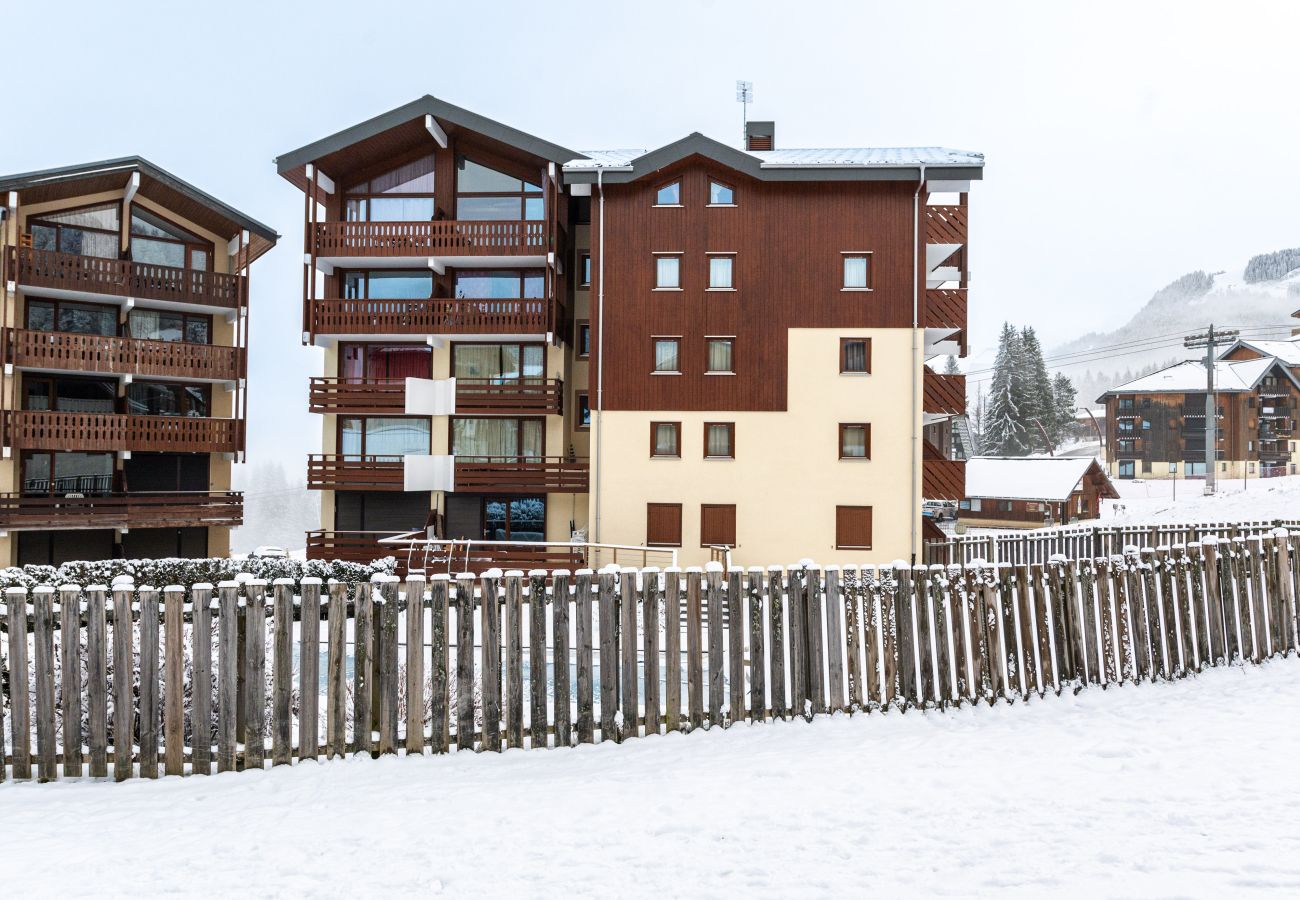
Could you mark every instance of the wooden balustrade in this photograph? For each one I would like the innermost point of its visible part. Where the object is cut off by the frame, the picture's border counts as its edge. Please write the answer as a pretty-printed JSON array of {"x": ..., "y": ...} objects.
[
  {"x": 946, "y": 308},
  {"x": 433, "y": 316},
  {"x": 387, "y": 396},
  {"x": 448, "y": 237},
  {"x": 364, "y": 547},
  {"x": 171, "y": 509},
  {"x": 52, "y": 270},
  {"x": 554, "y": 474},
  {"x": 944, "y": 394},
  {"x": 330, "y": 471},
  {"x": 50, "y": 430},
  {"x": 350, "y": 546},
  {"x": 69, "y": 351},
  {"x": 945, "y": 225}
]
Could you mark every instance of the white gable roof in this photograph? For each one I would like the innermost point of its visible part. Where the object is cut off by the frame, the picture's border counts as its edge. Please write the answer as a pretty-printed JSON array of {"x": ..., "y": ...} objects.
[
  {"x": 1025, "y": 478},
  {"x": 1286, "y": 351},
  {"x": 1189, "y": 376}
]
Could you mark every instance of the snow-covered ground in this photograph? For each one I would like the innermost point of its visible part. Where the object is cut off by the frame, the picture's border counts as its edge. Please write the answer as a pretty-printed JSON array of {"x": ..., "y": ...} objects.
[
  {"x": 1166, "y": 500},
  {"x": 1157, "y": 790}
]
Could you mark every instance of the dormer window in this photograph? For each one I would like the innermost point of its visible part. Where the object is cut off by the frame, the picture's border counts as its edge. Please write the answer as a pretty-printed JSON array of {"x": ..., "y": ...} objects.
[
  {"x": 669, "y": 195},
  {"x": 721, "y": 195}
]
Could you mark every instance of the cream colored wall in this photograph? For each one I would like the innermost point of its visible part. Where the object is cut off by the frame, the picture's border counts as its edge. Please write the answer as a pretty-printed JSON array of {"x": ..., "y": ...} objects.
[{"x": 787, "y": 478}]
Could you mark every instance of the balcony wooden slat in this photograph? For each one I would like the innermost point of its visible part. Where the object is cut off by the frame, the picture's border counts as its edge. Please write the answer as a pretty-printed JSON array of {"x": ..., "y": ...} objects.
[
  {"x": 331, "y": 471},
  {"x": 447, "y": 237},
  {"x": 943, "y": 394},
  {"x": 364, "y": 547},
  {"x": 554, "y": 474},
  {"x": 49, "y": 430},
  {"x": 176, "y": 509},
  {"x": 433, "y": 316},
  {"x": 119, "y": 355},
  {"x": 945, "y": 225},
  {"x": 52, "y": 270},
  {"x": 387, "y": 396}
]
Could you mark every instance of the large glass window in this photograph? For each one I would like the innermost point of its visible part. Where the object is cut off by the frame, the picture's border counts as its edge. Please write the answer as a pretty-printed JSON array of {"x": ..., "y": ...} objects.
[
  {"x": 404, "y": 194},
  {"x": 668, "y": 355},
  {"x": 721, "y": 356},
  {"x": 857, "y": 272},
  {"x": 502, "y": 284},
  {"x": 498, "y": 362},
  {"x": 69, "y": 394},
  {"x": 514, "y": 518},
  {"x": 395, "y": 284},
  {"x": 157, "y": 241},
  {"x": 67, "y": 473},
  {"x": 66, "y": 315},
  {"x": 497, "y": 438},
  {"x": 156, "y": 325},
  {"x": 386, "y": 361},
  {"x": 160, "y": 398},
  {"x": 93, "y": 231},
  {"x": 720, "y": 272},
  {"x": 668, "y": 272},
  {"x": 382, "y": 436},
  {"x": 486, "y": 194}
]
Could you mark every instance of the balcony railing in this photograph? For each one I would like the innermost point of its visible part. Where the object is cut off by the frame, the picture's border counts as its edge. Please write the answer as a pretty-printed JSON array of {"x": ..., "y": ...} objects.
[
  {"x": 172, "y": 509},
  {"x": 347, "y": 471},
  {"x": 440, "y": 316},
  {"x": 350, "y": 546},
  {"x": 441, "y": 238},
  {"x": 49, "y": 430},
  {"x": 52, "y": 270},
  {"x": 944, "y": 394},
  {"x": 68, "y": 351},
  {"x": 945, "y": 225},
  {"x": 945, "y": 308},
  {"x": 941, "y": 478},
  {"x": 387, "y": 396},
  {"x": 552, "y": 474}
]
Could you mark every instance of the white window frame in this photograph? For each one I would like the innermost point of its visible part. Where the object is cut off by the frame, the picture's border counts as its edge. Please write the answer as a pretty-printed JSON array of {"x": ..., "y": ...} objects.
[
  {"x": 730, "y": 256},
  {"x": 845, "y": 255},
  {"x": 659, "y": 257}
]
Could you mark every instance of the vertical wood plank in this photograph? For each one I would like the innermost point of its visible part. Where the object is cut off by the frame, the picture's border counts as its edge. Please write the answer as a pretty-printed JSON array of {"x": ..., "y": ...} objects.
[
  {"x": 887, "y": 626},
  {"x": 797, "y": 620},
  {"x": 560, "y": 600},
  {"x": 716, "y": 606},
  {"x": 852, "y": 601},
  {"x": 1166, "y": 641},
  {"x": 490, "y": 669},
  {"x": 19, "y": 691},
  {"x": 97, "y": 679},
  {"x": 439, "y": 711},
  {"x": 758, "y": 661},
  {"x": 227, "y": 675},
  {"x": 1028, "y": 636},
  {"x": 869, "y": 580},
  {"x": 672, "y": 649},
  {"x": 363, "y": 642},
  {"x": 149, "y": 682},
  {"x": 836, "y": 696},
  {"x": 281, "y": 671},
  {"x": 1149, "y": 630},
  {"x": 694, "y": 648},
  {"x": 309, "y": 668},
  {"x": 336, "y": 691},
  {"x": 905, "y": 630},
  {"x": 537, "y": 665},
  {"x": 735, "y": 625},
  {"x": 1213, "y": 603},
  {"x": 1106, "y": 611},
  {"x": 940, "y": 604},
  {"x": 650, "y": 647},
  {"x": 70, "y": 678},
  {"x": 201, "y": 690},
  {"x": 582, "y": 639},
  {"x": 608, "y": 637},
  {"x": 254, "y": 674},
  {"x": 629, "y": 697},
  {"x": 1044, "y": 597},
  {"x": 414, "y": 609},
  {"x": 814, "y": 633},
  {"x": 389, "y": 613},
  {"x": 924, "y": 634},
  {"x": 777, "y": 641},
  {"x": 43, "y": 641},
  {"x": 1011, "y": 656},
  {"x": 514, "y": 625},
  {"x": 174, "y": 675},
  {"x": 465, "y": 663},
  {"x": 1089, "y": 624},
  {"x": 123, "y": 684},
  {"x": 994, "y": 638},
  {"x": 1258, "y": 607}
]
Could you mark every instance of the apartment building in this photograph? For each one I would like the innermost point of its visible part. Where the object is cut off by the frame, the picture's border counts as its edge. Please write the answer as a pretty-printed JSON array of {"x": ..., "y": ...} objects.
[
  {"x": 1155, "y": 425},
  {"x": 699, "y": 348},
  {"x": 125, "y": 348}
]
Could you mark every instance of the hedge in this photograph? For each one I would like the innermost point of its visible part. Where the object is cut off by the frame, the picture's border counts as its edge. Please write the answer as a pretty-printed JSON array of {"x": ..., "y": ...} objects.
[{"x": 189, "y": 572}]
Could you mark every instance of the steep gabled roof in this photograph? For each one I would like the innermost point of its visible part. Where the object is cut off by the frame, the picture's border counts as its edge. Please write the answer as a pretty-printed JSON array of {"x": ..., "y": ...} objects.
[
  {"x": 1188, "y": 377},
  {"x": 1288, "y": 352},
  {"x": 1042, "y": 478}
]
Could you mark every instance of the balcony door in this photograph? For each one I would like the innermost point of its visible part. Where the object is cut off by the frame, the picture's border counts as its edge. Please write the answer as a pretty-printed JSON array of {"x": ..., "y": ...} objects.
[
  {"x": 360, "y": 363},
  {"x": 89, "y": 231},
  {"x": 498, "y": 439},
  {"x": 385, "y": 438},
  {"x": 474, "y": 517},
  {"x": 69, "y": 394},
  {"x": 156, "y": 241},
  {"x": 58, "y": 474},
  {"x": 499, "y": 363}
]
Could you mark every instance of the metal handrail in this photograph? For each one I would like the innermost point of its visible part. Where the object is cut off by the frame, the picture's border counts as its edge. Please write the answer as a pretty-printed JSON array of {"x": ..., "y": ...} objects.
[{"x": 461, "y": 548}]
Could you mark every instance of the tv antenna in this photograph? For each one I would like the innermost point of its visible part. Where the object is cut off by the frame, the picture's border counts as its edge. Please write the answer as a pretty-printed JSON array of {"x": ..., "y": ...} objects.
[{"x": 744, "y": 96}]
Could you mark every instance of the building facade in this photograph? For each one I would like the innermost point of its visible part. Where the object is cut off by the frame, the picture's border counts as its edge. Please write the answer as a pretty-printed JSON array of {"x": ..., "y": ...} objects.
[
  {"x": 716, "y": 351},
  {"x": 1155, "y": 425},
  {"x": 1033, "y": 492},
  {"x": 125, "y": 353}
]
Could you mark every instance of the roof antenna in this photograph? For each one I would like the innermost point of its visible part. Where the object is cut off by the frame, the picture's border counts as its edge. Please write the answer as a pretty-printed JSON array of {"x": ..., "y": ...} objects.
[{"x": 744, "y": 96}]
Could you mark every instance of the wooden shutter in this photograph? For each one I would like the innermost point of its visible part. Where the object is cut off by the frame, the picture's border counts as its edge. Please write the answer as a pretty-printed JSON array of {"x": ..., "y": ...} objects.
[
  {"x": 853, "y": 527},
  {"x": 663, "y": 524},
  {"x": 717, "y": 524}
]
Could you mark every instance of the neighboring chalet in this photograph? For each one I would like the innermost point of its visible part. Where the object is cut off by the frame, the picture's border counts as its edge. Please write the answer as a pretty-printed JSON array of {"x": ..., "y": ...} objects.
[
  {"x": 125, "y": 301},
  {"x": 1155, "y": 425},
  {"x": 764, "y": 317},
  {"x": 1032, "y": 491}
]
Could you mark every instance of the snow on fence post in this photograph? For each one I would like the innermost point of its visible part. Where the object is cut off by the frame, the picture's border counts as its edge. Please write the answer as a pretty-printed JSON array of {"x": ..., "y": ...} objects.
[
  {"x": 228, "y": 702},
  {"x": 627, "y": 654},
  {"x": 70, "y": 684},
  {"x": 386, "y": 661},
  {"x": 514, "y": 662},
  {"x": 694, "y": 649},
  {"x": 201, "y": 654},
  {"x": 174, "y": 679},
  {"x": 490, "y": 666},
  {"x": 560, "y": 601},
  {"x": 309, "y": 668},
  {"x": 19, "y": 692},
  {"x": 583, "y": 640},
  {"x": 414, "y": 662},
  {"x": 439, "y": 712},
  {"x": 43, "y": 639},
  {"x": 149, "y": 678},
  {"x": 537, "y": 717},
  {"x": 650, "y": 652},
  {"x": 255, "y": 674},
  {"x": 96, "y": 680},
  {"x": 281, "y": 671}
]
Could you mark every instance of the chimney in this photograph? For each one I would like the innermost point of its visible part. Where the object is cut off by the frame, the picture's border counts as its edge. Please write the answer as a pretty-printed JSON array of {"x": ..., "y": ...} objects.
[{"x": 760, "y": 135}]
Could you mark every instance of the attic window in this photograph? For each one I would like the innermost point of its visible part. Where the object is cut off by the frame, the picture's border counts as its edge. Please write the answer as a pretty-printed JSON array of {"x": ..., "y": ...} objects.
[
  {"x": 669, "y": 195},
  {"x": 721, "y": 195}
]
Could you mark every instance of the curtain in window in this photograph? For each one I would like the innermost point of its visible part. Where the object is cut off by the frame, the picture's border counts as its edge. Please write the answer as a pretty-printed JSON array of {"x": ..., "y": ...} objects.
[
  {"x": 666, "y": 356},
  {"x": 720, "y": 272},
  {"x": 719, "y": 441},
  {"x": 855, "y": 441},
  {"x": 395, "y": 437},
  {"x": 666, "y": 272},
  {"x": 665, "y": 440},
  {"x": 720, "y": 356},
  {"x": 855, "y": 271},
  {"x": 855, "y": 356},
  {"x": 478, "y": 438}
]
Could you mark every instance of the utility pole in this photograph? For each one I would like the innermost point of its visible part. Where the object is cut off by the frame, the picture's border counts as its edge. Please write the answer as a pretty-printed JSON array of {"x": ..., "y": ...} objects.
[{"x": 1210, "y": 340}]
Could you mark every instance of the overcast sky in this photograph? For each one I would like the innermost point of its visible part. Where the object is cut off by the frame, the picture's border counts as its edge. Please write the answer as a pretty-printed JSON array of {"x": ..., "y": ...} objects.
[{"x": 1126, "y": 143}]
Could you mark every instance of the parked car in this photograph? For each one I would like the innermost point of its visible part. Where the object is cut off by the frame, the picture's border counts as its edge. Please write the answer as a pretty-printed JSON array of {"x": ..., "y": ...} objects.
[
  {"x": 939, "y": 510},
  {"x": 266, "y": 551}
]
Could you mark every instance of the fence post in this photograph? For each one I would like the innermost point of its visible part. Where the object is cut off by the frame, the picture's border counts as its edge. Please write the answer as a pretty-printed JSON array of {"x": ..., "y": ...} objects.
[
  {"x": 255, "y": 674},
  {"x": 465, "y": 665},
  {"x": 70, "y": 687},
  {"x": 123, "y": 683},
  {"x": 96, "y": 680},
  {"x": 777, "y": 636},
  {"x": 43, "y": 640},
  {"x": 309, "y": 668},
  {"x": 174, "y": 675},
  {"x": 281, "y": 671},
  {"x": 439, "y": 727},
  {"x": 629, "y": 701},
  {"x": 201, "y": 703},
  {"x": 583, "y": 639},
  {"x": 650, "y": 648},
  {"x": 149, "y": 717},
  {"x": 227, "y": 675},
  {"x": 490, "y": 666}
]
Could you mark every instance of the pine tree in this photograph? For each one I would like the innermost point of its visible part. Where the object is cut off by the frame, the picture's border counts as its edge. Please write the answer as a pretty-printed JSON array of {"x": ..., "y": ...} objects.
[
  {"x": 1038, "y": 405},
  {"x": 1063, "y": 397},
  {"x": 1004, "y": 423},
  {"x": 950, "y": 366}
]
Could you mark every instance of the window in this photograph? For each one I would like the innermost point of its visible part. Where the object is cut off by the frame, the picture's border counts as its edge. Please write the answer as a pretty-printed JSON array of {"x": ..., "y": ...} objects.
[
  {"x": 160, "y": 398},
  {"x": 488, "y": 195},
  {"x": 584, "y": 411},
  {"x": 498, "y": 363},
  {"x": 666, "y": 440},
  {"x": 717, "y": 525},
  {"x": 67, "y": 316},
  {"x": 155, "y": 240},
  {"x": 1125, "y": 403},
  {"x": 384, "y": 362},
  {"x": 584, "y": 270},
  {"x": 91, "y": 231},
  {"x": 502, "y": 284},
  {"x": 721, "y": 195},
  {"x": 663, "y": 526},
  {"x": 976, "y": 504},
  {"x": 669, "y": 195},
  {"x": 668, "y": 355},
  {"x": 855, "y": 441},
  {"x": 1173, "y": 468},
  {"x": 853, "y": 528},
  {"x": 66, "y": 473},
  {"x": 721, "y": 356},
  {"x": 855, "y": 356},
  {"x": 719, "y": 440},
  {"x": 70, "y": 394},
  {"x": 154, "y": 325},
  {"x": 391, "y": 284},
  {"x": 721, "y": 269},
  {"x": 514, "y": 518},
  {"x": 583, "y": 339},
  {"x": 857, "y": 272},
  {"x": 1005, "y": 505},
  {"x": 383, "y": 437},
  {"x": 404, "y": 194},
  {"x": 668, "y": 275},
  {"x": 1252, "y": 468},
  {"x": 497, "y": 438}
]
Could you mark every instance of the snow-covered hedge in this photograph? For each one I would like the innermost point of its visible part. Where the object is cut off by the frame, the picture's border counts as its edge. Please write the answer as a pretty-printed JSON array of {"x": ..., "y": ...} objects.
[{"x": 188, "y": 572}]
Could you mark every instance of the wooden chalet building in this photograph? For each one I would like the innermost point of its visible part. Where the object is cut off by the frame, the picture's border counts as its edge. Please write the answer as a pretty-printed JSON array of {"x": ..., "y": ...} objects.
[
  {"x": 1155, "y": 425},
  {"x": 125, "y": 300},
  {"x": 1031, "y": 492},
  {"x": 689, "y": 347}
]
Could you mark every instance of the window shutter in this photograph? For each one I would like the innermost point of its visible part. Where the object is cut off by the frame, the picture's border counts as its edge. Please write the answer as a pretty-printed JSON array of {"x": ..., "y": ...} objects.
[
  {"x": 663, "y": 524},
  {"x": 853, "y": 527},
  {"x": 717, "y": 525}
]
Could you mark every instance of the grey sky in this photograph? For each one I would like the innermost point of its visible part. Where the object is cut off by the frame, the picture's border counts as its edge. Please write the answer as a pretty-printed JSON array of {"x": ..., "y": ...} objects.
[{"x": 1127, "y": 143}]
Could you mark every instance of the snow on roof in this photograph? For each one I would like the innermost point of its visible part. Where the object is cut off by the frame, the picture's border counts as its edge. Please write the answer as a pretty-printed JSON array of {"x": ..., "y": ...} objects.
[
  {"x": 1286, "y": 351},
  {"x": 1051, "y": 478},
  {"x": 868, "y": 157},
  {"x": 1189, "y": 377},
  {"x": 604, "y": 159}
]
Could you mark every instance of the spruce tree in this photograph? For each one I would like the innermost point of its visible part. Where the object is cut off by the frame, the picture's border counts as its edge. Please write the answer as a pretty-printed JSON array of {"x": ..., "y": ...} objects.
[
  {"x": 1063, "y": 396},
  {"x": 950, "y": 366},
  {"x": 1004, "y": 423},
  {"x": 1038, "y": 403}
]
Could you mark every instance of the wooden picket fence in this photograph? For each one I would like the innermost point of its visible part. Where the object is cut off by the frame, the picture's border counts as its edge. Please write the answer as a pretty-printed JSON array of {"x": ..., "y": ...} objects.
[{"x": 554, "y": 659}]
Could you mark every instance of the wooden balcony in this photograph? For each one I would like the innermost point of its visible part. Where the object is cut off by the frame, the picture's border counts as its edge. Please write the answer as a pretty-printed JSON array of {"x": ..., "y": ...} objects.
[
  {"x": 351, "y": 546},
  {"x": 943, "y": 394},
  {"x": 440, "y": 316},
  {"x": 69, "y": 352},
  {"x": 387, "y": 396},
  {"x": 941, "y": 478},
  {"x": 364, "y": 547},
  {"x": 47, "y": 430},
  {"x": 945, "y": 225},
  {"x": 544, "y": 475},
  {"x": 946, "y": 308},
  {"x": 51, "y": 270},
  {"x": 143, "y": 510},
  {"x": 352, "y": 471},
  {"x": 447, "y": 237}
]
